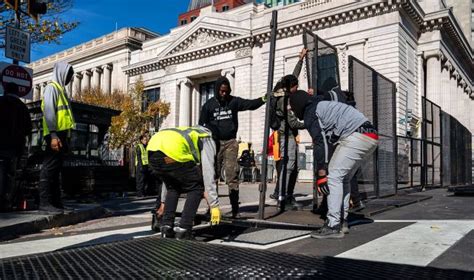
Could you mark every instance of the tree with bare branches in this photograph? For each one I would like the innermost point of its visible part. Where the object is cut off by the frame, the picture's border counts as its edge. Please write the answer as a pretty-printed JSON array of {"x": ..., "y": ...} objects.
[{"x": 50, "y": 27}]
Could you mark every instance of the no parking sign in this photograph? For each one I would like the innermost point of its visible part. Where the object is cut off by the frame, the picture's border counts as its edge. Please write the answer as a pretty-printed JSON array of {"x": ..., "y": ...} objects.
[{"x": 21, "y": 76}]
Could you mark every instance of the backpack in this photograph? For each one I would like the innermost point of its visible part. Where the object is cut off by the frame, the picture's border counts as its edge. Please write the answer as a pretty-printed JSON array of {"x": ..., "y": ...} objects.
[{"x": 274, "y": 120}]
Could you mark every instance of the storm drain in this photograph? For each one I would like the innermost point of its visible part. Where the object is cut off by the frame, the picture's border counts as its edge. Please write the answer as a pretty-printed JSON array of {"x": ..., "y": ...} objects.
[{"x": 152, "y": 258}]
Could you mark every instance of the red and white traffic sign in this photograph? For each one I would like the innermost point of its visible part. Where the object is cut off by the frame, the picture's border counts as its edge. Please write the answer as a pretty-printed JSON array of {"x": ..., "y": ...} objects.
[{"x": 21, "y": 76}]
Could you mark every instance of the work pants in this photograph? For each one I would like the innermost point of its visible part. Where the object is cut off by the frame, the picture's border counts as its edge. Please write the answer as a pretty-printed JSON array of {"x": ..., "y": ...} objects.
[
  {"x": 179, "y": 178},
  {"x": 348, "y": 156}
]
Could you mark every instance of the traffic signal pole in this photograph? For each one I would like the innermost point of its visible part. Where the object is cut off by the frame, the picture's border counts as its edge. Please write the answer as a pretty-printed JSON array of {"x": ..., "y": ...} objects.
[{"x": 266, "y": 134}]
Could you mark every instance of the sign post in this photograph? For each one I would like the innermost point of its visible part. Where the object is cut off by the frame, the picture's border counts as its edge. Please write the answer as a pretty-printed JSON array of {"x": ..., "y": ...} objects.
[
  {"x": 17, "y": 44},
  {"x": 21, "y": 76}
]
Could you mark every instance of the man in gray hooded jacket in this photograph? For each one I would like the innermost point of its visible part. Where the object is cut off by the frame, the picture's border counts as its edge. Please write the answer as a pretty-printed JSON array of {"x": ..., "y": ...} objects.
[{"x": 58, "y": 121}]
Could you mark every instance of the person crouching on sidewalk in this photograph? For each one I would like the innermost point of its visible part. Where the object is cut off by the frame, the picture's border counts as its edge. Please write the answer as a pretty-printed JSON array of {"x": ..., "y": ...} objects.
[
  {"x": 357, "y": 139},
  {"x": 183, "y": 158}
]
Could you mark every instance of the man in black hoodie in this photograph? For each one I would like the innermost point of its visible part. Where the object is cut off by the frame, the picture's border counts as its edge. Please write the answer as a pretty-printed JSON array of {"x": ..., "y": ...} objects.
[{"x": 220, "y": 114}]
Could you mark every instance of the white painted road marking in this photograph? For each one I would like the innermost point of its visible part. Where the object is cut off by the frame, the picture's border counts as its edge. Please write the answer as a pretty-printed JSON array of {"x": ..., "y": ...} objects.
[
  {"x": 416, "y": 244},
  {"x": 52, "y": 244}
]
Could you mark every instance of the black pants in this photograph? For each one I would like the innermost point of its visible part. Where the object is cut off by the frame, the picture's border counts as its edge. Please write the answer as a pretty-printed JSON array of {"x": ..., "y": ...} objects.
[
  {"x": 179, "y": 178},
  {"x": 7, "y": 180},
  {"x": 50, "y": 190},
  {"x": 142, "y": 179}
]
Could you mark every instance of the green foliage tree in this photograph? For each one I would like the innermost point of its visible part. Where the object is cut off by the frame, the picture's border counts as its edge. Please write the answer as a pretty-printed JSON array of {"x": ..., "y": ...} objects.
[
  {"x": 50, "y": 27},
  {"x": 132, "y": 121}
]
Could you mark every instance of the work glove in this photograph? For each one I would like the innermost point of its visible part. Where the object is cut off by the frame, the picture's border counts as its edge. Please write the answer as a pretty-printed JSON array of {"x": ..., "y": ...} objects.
[
  {"x": 264, "y": 98},
  {"x": 322, "y": 184},
  {"x": 215, "y": 215}
]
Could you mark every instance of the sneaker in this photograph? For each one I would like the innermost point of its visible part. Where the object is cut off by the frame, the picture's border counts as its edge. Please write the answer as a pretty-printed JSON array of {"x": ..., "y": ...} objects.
[
  {"x": 327, "y": 232},
  {"x": 292, "y": 204},
  {"x": 274, "y": 196},
  {"x": 167, "y": 232},
  {"x": 183, "y": 234},
  {"x": 232, "y": 215},
  {"x": 345, "y": 227},
  {"x": 357, "y": 207}
]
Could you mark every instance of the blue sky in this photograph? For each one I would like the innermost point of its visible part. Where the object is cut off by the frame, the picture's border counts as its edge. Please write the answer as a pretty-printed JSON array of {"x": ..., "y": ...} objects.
[{"x": 99, "y": 17}]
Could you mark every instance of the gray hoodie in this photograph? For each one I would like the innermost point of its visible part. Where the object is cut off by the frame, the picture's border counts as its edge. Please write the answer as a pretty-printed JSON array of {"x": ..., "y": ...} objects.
[{"x": 51, "y": 95}]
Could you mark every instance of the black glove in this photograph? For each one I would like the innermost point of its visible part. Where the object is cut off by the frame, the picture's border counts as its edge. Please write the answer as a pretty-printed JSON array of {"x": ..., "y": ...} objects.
[{"x": 322, "y": 184}]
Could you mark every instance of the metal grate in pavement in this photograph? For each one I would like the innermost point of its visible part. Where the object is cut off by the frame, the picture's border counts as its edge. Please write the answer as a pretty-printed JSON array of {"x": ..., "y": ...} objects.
[{"x": 151, "y": 258}]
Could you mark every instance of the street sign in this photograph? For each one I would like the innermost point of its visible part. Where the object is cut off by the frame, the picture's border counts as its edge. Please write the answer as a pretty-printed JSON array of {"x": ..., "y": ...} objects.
[
  {"x": 17, "y": 44},
  {"x": 21, "y": 76}
]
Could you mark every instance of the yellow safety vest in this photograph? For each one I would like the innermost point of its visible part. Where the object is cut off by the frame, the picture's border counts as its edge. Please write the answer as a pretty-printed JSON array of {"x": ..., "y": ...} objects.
[
  {"x": 181, "y": 143},
  {"x": 144, "y": 155},
  {"x": 64, "y": 116}
]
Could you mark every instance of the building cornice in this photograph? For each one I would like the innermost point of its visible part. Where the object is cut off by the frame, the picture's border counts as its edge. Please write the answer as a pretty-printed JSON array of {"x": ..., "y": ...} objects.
[{"x": 440, "y": 20}]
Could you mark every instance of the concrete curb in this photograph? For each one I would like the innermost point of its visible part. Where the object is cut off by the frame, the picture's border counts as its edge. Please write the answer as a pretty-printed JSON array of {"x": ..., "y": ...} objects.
[{"x": 50, "y": 221}]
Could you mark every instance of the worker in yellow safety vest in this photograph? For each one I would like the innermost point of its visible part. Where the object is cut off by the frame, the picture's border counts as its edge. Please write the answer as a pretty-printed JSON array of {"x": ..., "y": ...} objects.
[
  {"x": 58, "y": 121},
  {"x": 141, "y": 164},
  {"x": 183, "y": 158}
]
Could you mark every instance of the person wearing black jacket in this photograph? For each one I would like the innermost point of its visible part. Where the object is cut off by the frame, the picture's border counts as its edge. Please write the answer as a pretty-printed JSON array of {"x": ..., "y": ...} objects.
[
  {"x": 15, "y": 124},
  {"x": 220, "y": 114}
]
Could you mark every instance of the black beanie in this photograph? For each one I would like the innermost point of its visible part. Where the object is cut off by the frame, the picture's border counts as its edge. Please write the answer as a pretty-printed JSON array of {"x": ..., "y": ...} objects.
[
  {"x": 298, "y": 102},
  {"x": 289, "y": 81}
]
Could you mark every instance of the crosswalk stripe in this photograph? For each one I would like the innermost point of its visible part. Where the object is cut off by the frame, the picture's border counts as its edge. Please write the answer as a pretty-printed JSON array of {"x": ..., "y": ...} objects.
[
  {"x": 56, "y": 243},
  {"x": 416, "y": 244}
]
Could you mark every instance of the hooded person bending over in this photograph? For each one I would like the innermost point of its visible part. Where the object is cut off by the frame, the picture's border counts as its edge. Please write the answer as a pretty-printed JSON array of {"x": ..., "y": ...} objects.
[
  {"x": 221, "y": 115},
  {"x": 335, "y": 122}
]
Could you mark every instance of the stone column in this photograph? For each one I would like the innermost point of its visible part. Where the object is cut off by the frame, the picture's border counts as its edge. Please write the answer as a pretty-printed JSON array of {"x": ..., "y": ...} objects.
[
  {"x": 107, "y": 78},
  {"x": 445, "y": 87},
  {"x": 69, "y": 88},
  {"x": 43, "y": 87},
  {"x": 196, "y": 108},
  {"x": 76, "y": 88},
  {"x": 96, "y": 77},
  {"x": 229, "y": 74},
  {"x": 86, "y": 80},
  {"x": 433, "y": 77},
  {"x": 37, "y": 92},
  {"x": 185, "y": 102}
]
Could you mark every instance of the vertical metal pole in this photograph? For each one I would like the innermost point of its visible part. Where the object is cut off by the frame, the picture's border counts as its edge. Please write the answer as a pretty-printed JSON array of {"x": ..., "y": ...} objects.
[
  {"x": 376, "y": 125},
  {"x": 17, "y": 25},
  {"x": 266, "y": 133}
]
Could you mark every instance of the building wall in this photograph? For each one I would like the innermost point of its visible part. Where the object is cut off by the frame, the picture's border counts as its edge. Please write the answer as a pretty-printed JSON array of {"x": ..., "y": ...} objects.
[{"x": 394, "y": 39}]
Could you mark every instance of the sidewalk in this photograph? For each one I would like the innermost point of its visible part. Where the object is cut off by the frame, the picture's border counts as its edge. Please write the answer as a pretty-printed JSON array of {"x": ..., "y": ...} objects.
[{"x": 15, "y": 224}]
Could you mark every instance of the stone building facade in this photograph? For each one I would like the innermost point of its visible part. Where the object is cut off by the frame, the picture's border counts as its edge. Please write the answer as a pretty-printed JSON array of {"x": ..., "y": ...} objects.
[
  {"x": 419, "y": 45},
  {"x": 97, "y": 63}
]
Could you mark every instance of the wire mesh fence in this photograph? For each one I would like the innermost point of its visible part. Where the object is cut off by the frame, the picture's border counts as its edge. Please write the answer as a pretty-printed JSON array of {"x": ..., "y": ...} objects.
[{"x": 375, "y": 97}]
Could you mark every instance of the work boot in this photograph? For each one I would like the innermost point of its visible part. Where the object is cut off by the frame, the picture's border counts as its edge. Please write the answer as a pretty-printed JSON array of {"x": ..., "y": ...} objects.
[
  {"x": 292, "y": 204},
  {"x": 327, "y": 232},
  {"x": 356, "y": 207},
  {"x": 156, "y": 221},
  {"x": 274, "y": 196},
  {"x": 234, "y": 202},
  {"x": 345, "y": 227},
  {"x": 167, "y": 232},
  {"x": 183, "y": 234}
]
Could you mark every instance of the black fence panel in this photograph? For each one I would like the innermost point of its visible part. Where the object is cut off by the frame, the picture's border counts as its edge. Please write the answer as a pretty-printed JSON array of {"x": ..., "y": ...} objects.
[
  {"x": 432, "y": 146},
  {"x": 409, "y": 162},
  {"x": 375, "y": 97},
  {"x": 457, "y": 152},
  {"x": 321, "y": 62}
]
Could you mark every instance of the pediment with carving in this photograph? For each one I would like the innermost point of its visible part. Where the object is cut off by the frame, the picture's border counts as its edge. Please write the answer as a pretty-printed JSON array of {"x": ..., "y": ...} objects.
[{"x": 201, "y": 38}]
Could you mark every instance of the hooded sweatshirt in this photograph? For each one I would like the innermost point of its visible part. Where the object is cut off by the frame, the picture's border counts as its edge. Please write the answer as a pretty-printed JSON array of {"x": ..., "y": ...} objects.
[
  {"x": 221, "y": 114},
  {"x": 51, "y": 95},
  {"x": 325, "y": 120}
]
